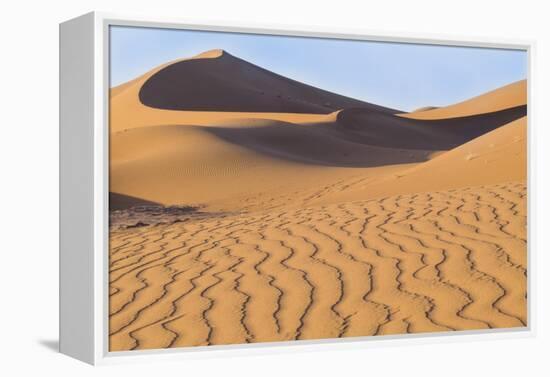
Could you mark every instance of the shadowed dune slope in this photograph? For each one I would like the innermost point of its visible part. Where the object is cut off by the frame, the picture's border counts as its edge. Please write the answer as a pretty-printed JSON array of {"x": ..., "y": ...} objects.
[
  {"x": 224, "y": 82},
  {"x": 512, "y": 95},
  {"x": 127, "y": 112},
  {"x": 387, "y": 130},
  {"x": 313, "y": 144}
]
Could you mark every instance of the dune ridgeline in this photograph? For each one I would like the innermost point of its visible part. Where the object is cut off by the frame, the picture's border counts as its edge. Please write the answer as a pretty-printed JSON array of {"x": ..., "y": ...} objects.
[{"x": 248, "y": 207}]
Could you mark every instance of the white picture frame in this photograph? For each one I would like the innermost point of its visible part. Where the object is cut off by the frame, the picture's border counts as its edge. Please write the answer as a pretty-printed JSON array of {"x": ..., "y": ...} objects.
[{"x": 84, "y": 140}]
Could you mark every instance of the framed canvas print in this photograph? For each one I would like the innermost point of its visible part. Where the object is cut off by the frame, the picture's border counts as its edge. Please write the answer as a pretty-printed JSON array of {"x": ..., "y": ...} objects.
[{"x": 239, "y": 189}]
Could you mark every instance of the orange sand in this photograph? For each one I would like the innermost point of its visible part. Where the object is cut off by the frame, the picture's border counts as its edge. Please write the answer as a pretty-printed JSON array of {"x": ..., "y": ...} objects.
[{"x": 327, "y": 218}]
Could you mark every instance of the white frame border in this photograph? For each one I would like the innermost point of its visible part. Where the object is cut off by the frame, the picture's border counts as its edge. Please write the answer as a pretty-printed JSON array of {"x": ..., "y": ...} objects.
[{"x": 102, "y": 21}]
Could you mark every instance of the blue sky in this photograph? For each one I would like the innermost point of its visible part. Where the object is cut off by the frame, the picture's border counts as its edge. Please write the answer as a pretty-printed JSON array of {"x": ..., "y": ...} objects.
[{"x": 397, "y": 75}]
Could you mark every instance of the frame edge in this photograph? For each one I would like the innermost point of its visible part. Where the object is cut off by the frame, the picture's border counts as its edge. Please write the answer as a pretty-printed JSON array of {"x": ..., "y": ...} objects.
[{"x": 76, "y": 177}]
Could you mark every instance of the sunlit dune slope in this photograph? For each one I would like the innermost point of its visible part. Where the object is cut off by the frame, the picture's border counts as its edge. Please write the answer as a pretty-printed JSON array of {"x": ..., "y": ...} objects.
[
  {"x": 497, "y": 156},
  {"x": 509, "y": 96},
  {"x": 195, "y": 165}
]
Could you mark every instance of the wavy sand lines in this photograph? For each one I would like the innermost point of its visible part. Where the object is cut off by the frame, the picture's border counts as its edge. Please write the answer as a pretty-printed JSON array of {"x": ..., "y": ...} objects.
[{"x": 425, "y": 262}]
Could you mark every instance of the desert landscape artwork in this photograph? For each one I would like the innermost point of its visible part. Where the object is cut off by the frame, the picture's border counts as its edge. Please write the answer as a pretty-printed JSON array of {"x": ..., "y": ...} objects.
[{"x": 272, "y": 188}]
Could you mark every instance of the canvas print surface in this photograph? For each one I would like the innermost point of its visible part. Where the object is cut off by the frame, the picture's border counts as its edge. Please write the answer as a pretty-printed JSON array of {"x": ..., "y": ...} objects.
[{"x": 271, "y": 188}]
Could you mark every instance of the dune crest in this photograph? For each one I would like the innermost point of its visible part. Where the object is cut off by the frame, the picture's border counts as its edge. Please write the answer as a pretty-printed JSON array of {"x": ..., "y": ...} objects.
[
  {"x": 228, "y": 83},
  {"x": 210, "y": 54}
]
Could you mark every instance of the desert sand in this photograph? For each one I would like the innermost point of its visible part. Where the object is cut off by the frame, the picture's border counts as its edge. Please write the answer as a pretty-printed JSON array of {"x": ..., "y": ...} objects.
[{"x": 247, "y": 207}]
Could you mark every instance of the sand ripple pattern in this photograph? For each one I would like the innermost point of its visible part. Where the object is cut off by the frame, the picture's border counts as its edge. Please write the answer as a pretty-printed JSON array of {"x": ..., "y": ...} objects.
[{"x": 430, "y": 262}]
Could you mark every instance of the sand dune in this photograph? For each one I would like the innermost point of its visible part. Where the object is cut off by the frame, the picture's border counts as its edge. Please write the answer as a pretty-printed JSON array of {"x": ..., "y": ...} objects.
[
  {"x": 215, "y": 86},
  {"x": 248, "y": 207},
  {"x": 509, "y": 96},
  {"x": 219, "y": 81},
  {"x": 187, "y": 164},
  {"x": 498, "y": 156},
  {"x": 192, "y": 151}
]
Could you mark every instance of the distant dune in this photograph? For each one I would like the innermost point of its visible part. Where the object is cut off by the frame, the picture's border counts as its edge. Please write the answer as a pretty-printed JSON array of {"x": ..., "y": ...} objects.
[
  {"x": 251, "y": 207},
  {"x": 509, "y": 96},
  {"x": 388, "y": 130}
]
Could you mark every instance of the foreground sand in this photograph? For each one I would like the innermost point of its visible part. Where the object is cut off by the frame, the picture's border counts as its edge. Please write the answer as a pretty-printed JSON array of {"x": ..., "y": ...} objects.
[{"x": 429, "y": 262}]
